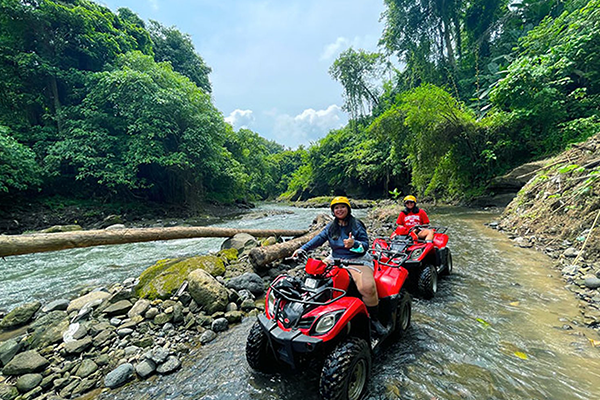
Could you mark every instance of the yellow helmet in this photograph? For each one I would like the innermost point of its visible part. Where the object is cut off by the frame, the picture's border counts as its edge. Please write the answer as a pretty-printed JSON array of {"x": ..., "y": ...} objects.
[
  {"x": 410, "y": 198},
  {"x": 340, "y": 200}
]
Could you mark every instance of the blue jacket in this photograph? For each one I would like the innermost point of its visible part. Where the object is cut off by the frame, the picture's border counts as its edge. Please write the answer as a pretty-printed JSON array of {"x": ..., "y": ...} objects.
[{"x": 359, "y": 233}]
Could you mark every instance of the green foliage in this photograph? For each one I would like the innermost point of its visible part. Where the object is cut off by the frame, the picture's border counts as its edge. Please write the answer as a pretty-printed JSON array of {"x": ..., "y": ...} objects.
[
  {"x": 171, "y": 45},
  {"x": 18, "y": 168},
  {"x": 143, "y": 126}
]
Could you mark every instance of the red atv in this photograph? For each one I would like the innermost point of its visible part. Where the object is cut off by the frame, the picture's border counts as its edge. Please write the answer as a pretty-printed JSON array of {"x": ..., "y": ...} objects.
[
  {"x": 322, "y": 318},
  {"x": 424, "y": 261}
]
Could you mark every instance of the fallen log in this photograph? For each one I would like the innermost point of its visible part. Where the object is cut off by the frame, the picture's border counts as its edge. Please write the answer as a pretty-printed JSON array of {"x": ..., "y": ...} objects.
[
  {"x": 41, "y": 242},
  {"x": 261, "y": 256}
]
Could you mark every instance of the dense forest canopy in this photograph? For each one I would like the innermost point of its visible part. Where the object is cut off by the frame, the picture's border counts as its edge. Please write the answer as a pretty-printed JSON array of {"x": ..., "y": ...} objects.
[{"x": 97, "y": 104}]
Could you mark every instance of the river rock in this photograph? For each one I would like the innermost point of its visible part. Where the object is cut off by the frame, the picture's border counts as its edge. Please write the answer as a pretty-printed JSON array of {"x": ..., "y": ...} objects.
[
  {"x": 570, "y": 270},
  {"x": 56, "y": 305},
  {"x": 207, "y": 292},
  {"x": 219, "y": 325},
  {"x": 163, "y": 279},
  {"x": 234, "y": 316},
  {"x": 241, "y": 242},
  {"x": 24, "y": 363},
  {"x": 8, "y": 392},
  {"x": 247, "y": 305},
  {"x": 119, "y": 308},
  {"x": 67, "y": 390},
  {"x": 48, "y": 329},
  {"x": 162, "y": 318},
  {"x": 592, "y": 283},
  {"x": 78, "y": 303},
  {"x": 139, "y": 308},
  {"x": 571, "y": 252},
  {"x": 8, "y": 350},
  {"x": 145, "y": 368},
  {"x": 228, "y": 255},
  {"x": 119, "y": 376},
  {"x": 158, "y": 354},
  {"x": 86, "y": 368},
  {"x": 78, "y": 346},
  {"x": 27, "y": 382},
  {"x": 19, "y": 315},
  {"x": 84, "y": 386},
  {"x": 248, "y": 281},
  {"x": 208, "y": 336},
  {"x": 246, "y": 294},
  {"x": 171, "y": 364}
]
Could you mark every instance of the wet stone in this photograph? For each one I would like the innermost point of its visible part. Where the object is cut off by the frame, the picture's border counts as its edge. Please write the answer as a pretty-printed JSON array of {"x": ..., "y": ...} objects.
[
  {"x": 219, "y": 325},
  {"x": 124, "y": 332},
  {"x": 208, "y": 336},
  {"x": 145, "y": 368},
  {"x": 26, "y": 362},
  {"x": 8, "y": 392},
  {"x": 171, "y": 364},
  {"x": 119, "y": 376},
  {"x": 56, "y": 305},
  {"x": 592, "y": 283},
  {"x": 119, "y": 308},
  {"x": 86, "y": 368},
  {"x": 78, "y": 346},
  {"x": 162, "y": 318},
  {"x": 20, "y": 315},
  {"x": 152, "y": 312},
  {"x": 27, "y": 382},
  {"x": 8, "y": 350},
  {"x": 571, "y": 252},
  {"x": 67, "y": 390},
  {"x": 84, "y": 386},
  {"x": 158, "y": 355}
]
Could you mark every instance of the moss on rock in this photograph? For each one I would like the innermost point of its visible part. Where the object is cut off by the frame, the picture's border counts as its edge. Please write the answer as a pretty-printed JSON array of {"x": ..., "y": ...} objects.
[{"x": 162, "y": 280}]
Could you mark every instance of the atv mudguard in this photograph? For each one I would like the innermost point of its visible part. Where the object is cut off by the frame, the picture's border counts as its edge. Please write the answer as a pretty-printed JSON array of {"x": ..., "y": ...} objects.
[{"x": 389, "y": 280}]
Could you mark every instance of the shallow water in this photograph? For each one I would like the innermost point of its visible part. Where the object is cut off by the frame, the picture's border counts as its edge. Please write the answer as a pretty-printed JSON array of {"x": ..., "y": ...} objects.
[{"x": 494, "y": 331}]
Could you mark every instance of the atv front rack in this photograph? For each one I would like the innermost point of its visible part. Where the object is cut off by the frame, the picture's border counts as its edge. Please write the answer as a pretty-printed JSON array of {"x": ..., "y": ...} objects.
[{"x": 297, "y": 296}]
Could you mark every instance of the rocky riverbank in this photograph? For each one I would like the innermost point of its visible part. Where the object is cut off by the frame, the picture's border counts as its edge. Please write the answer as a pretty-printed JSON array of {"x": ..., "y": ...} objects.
[
  {"x": 557, "y": 212},
  {"x": 144, "y": 326}
]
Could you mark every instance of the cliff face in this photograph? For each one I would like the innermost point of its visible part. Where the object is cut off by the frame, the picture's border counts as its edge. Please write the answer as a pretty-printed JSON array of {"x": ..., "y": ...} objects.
[{"x": 558, "y": 212}]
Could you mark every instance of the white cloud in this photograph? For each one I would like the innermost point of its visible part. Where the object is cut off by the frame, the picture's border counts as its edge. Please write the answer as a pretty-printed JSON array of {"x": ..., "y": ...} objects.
[
  {"x": 240, "y": 118},
  {"x": 308, "y": 126},
  {"x": 153, "y": 4},
  {"x": 332, "y": 50}
]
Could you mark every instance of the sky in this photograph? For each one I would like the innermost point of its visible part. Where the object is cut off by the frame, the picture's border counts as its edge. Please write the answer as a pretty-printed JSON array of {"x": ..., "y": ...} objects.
[{"x": 270, "y": 58}]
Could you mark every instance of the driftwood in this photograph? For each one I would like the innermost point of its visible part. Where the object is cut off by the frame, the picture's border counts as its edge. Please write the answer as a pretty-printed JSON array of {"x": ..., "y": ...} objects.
[
  {"x": 261, "y": 256},
  {"x": 42, "y": 242}
]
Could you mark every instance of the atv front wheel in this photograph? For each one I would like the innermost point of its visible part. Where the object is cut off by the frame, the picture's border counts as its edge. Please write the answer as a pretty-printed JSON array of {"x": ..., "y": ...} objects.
[
  {"x": 428, "y": 282},
  {"x": 258, "y": 353},
  {"x": 403, "y": 314},
  {"x": 346, "y": 371}
]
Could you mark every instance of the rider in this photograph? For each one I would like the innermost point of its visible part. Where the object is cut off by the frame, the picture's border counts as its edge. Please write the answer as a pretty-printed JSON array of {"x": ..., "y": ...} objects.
[
  {"x": 413, "y": 216},
  {"x": 348, "y": 239}
]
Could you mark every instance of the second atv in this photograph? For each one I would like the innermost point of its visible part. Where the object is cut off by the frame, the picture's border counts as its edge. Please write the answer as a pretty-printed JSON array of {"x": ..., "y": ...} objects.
[{"x": 425, "y": 262}]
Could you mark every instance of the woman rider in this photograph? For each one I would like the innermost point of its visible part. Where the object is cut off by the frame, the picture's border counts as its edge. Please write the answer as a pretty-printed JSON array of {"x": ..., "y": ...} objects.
[
  {"x": 413, "y": 216},
  {"x": 348, "y": 240}
]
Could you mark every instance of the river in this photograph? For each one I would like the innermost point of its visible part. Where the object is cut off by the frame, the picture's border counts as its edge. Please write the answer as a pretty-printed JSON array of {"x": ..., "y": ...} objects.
[{"x": 501, "y": 327}]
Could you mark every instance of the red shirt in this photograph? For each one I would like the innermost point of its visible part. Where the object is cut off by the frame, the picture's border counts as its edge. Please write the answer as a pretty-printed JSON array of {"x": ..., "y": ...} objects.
[{"x": 412, "y": 219}]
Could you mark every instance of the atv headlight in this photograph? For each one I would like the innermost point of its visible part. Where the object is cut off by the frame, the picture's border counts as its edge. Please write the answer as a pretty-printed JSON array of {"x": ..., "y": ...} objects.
[
  {"x": 271, "y": 303},
  {"x": 416, "y": 254},
  {"x": 326, "y": 322}
]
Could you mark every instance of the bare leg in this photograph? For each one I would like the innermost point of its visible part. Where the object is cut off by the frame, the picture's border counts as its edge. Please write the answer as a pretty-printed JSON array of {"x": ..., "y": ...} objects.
[
  {"x": 426, "y": 234},
  {"x": 365, "y": 284}
]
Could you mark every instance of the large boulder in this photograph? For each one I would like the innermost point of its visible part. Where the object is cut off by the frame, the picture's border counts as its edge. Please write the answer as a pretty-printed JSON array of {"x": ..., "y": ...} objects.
[
  {"x": 242, "y": 242},
  {"x": 19, "y": 316},
  {"x": 249, "y": 281},
  {"x": 162, "y": 280},
  {"x": 207, "y": 292}
]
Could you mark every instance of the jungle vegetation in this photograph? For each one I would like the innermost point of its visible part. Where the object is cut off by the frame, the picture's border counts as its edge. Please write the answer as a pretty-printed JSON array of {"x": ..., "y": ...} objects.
[{"x": 103, "y": 105}]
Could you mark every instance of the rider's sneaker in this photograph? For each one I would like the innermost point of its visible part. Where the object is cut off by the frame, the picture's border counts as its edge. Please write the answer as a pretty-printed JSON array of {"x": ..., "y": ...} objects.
[{"x": 378, "y": 328}]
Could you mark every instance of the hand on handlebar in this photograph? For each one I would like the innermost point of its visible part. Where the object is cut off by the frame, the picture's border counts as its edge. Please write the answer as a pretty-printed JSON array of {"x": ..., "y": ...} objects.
[{"x": 300, "y": 252}]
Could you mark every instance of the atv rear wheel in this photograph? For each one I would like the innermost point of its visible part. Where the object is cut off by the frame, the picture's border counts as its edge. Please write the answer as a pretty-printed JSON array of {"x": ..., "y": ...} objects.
[
  {"x": 258, "y": 353},
  {"x": 428, "y": 281},
  {"x": 448, "y": 264},
  {"x": 346, "y": 371},
  {"x": 403, "y": 314}
]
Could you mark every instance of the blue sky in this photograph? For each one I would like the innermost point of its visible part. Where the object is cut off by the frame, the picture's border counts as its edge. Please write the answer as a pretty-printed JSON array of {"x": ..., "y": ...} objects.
[{"x": 270, "y": 59}]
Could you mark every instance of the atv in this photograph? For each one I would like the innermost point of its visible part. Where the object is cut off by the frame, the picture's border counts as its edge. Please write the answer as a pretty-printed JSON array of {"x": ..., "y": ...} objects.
[
  {"x": 321, "y": 321},
  {"x": 425, "y": 262}
]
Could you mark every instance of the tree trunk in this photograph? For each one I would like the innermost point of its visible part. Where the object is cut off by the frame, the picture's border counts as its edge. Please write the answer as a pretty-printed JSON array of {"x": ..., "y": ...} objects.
[
  {"x": 261, "y": 256},
  {"x": 42, "y": 242}
]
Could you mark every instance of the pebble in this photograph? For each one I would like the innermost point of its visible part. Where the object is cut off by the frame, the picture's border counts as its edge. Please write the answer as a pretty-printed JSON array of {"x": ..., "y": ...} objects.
[{"x": 171, "y": 364}]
